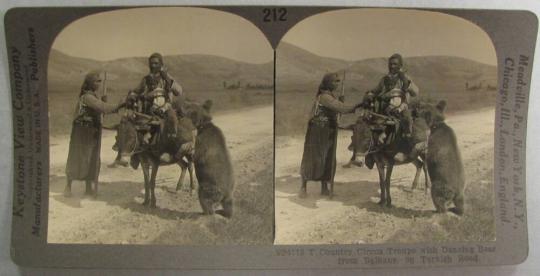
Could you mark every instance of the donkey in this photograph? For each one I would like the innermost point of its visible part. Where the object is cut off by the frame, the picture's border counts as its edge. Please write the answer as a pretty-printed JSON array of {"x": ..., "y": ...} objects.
[
  {"x": 361, "y": 143},
  {"x": 400, "y": 151},
  {"x": 185, "y": 164},
  {"x": 130, "y": 145}
]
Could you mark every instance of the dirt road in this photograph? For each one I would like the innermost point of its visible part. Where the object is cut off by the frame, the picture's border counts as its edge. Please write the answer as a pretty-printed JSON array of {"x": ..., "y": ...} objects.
[
  {"x": 117, "y": 217},
  {"x": 353, "y": 216}
]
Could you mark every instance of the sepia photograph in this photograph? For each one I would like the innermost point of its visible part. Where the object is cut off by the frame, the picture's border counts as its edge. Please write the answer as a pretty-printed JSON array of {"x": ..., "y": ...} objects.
[
  {"x": 384, "y": 129},
  {"x": 160, "y": 128},
  {"x": 268, "y": 138}
]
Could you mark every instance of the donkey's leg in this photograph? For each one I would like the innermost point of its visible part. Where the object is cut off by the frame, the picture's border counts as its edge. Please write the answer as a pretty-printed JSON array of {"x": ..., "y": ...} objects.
[
  {"x": 191, "y": 180},
  {"x": 419, "y": 165},
  {"x": 380, "y": 168},
  {"x": 183, "y": 166},
  {"x": 388, "y": 180},
  {"x": 426, "y": 176},
  {"x": 155, "y": 167},
  {"x": 146, "y": 173}
]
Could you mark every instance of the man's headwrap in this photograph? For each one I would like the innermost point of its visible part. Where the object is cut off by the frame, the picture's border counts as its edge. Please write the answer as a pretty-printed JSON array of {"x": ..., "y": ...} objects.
[
  {"x": 398, "y": 57},
  {"x": 326, "y": 82},
  {"x": 89, "y": 79},
  {"x": 156, "y": 55}
]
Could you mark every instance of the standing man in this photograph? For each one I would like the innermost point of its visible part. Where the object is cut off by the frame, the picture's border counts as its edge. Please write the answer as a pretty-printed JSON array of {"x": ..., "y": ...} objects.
[{"x": 83, "y": 161}]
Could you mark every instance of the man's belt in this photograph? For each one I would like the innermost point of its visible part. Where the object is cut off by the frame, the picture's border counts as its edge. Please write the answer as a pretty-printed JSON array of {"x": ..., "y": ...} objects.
[{"x": 86, "y": 121}]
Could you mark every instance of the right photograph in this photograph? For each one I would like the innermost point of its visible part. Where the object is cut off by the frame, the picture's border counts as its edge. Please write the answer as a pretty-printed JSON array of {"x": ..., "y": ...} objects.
[{"x": 384, "y": 124}]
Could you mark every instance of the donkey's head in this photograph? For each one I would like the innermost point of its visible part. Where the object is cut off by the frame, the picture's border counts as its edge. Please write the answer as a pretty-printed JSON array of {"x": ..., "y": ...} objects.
[{"x": 127, "y": 139}]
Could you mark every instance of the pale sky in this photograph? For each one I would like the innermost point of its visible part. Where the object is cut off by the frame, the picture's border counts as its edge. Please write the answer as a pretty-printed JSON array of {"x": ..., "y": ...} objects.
[
  {"x": 356, "y": 34},
  {"x": 169, "y": 30}
]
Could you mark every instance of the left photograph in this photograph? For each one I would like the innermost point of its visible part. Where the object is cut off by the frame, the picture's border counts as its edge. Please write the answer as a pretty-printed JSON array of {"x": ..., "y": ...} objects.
[{"x": 161, "y": 129}]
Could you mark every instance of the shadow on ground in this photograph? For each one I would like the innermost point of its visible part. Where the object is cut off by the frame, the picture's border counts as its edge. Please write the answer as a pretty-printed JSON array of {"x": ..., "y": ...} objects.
[
  {"x": 362, "y": 194},
  {"x": 394, "y": 211},
  {"x": 348, "y": 193},
  {"x": 121, "y": 194}
]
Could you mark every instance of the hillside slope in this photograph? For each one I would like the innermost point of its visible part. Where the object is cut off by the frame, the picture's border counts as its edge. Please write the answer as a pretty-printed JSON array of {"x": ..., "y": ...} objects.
[{"x": 202, "y": 77}]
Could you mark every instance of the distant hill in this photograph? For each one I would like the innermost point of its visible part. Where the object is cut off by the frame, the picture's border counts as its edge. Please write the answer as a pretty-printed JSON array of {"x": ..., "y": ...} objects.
[
  {"x": 202, "y": 77},
  {"x": 463, "y": 83},
  {"x": 195, "y": 72},
  {"x": 296, "y": 65},
  {"x": 435, "y": 75}
]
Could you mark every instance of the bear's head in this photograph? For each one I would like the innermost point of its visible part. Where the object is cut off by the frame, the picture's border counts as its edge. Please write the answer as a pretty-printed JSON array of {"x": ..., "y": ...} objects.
[
  {"x": 199, "y": 114},
  {"x": 432, "y": 114}
]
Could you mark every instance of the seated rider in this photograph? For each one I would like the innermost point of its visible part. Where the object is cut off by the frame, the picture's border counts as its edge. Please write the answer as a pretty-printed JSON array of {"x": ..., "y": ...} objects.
[
  {"x": 395, "y": 79},
  {"x": 397, "y": 108},
  {"x": 161, "y": 110},
  {"x": 180, "y": 128},
  {"x": 158, "y": 78},
  {"x": 154, "y": 97}
]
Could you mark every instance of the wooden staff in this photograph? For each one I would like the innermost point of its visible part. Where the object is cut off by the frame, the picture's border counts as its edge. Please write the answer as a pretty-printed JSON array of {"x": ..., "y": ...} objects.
[{"x": 104, "y": 92}]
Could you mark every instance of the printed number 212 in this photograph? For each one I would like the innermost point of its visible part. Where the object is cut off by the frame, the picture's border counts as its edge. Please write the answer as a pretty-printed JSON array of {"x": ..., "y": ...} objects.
[{"x": 272, "y": 15}]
